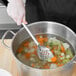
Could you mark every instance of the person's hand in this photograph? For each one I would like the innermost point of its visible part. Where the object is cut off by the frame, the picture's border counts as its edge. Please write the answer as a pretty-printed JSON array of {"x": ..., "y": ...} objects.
[{"x": 16, "y": 10}]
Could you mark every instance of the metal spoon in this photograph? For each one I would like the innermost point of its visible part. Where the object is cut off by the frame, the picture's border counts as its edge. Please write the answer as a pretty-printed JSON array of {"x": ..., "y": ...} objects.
[{"x": 43, "y": 52}]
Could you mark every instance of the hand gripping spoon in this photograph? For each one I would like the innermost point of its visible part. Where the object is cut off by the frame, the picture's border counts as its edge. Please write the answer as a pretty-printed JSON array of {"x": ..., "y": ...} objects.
[{"x": 43, "y": 52}]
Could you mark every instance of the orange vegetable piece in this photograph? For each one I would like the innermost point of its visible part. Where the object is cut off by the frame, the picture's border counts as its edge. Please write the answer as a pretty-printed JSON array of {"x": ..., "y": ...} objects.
[
  {"x": 35, "y": 52},
  {"x": 62, "y": 48},
  {"x": 45, "y": 39},
  {"x": 55, "y": 47},
  {"x": 54, "y": 59},
  {"x": 56, "y": 63},
  {"x": 35, "y": 47},
  {"x": 48, "y": 46},
  {"x": 37, "y": 36},
  {"x": 46, "y": 67},
  {"x": 33, "y": 65},
  {"x": 41, "y": 43},
  {"x": 40, "y": 40},
  {"x": 52, "y": 51},
  {"x": 61, "y": 65},
  {"x": 26, "y": 44},
  {"x": 20, "y": 50},
  {"x": 27, "y": 55}
]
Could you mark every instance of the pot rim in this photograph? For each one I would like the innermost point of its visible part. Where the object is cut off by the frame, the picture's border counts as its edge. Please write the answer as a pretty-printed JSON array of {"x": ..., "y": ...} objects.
[{"x": 58, "y": 68}]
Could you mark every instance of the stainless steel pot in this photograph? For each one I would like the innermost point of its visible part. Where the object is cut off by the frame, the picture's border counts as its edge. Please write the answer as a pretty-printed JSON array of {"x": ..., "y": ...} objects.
[{"x": 48, "y": 28}]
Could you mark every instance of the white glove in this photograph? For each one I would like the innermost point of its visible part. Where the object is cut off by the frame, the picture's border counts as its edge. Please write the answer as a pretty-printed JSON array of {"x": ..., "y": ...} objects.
[{"x": 16, "y": 10}]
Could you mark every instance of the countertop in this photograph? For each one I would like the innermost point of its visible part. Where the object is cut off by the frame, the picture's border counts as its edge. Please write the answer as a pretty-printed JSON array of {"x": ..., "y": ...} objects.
[{"x": 8, "y": 63}]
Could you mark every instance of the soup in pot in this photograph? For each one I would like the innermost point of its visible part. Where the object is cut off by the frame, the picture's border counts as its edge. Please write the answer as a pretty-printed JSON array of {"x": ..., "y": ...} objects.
[{"x": 61, "y": 49}]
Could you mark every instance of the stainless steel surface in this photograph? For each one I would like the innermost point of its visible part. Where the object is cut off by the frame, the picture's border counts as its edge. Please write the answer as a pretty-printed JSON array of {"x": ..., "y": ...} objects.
[
  {"x": 3, "y": 37},
  {"x": 47, "y": 28},
  {"x": 41, "y": 49},
  {"x": 9, "y": 36}
]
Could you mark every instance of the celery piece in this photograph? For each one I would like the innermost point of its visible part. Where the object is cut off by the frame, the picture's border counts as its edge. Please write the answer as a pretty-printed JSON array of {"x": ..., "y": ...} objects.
[
  {"x": 32, "y": 50},
  {"x": 49, "y": 60}
]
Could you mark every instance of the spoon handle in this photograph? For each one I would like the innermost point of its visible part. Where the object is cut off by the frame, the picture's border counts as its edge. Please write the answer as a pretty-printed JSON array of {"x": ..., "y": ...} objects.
[{"x": 25, "y": 26}]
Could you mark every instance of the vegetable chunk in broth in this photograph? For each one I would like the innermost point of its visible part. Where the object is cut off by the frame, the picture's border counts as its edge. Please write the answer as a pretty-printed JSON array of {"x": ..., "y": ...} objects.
[{"x": 61, "y": 49}]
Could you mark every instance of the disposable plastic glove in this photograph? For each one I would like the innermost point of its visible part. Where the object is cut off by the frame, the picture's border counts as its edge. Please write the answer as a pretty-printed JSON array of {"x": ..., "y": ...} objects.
[{"x": 16, "y": 11}]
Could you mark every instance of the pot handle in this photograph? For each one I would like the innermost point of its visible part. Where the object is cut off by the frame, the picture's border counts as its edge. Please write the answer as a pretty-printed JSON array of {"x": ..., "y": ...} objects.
[
  {"x": 74, "y": 60},
  {"x": 3, "y": 37}
]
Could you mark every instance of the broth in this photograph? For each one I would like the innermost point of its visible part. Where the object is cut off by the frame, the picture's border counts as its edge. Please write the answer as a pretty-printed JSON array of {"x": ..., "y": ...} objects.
[{"x": 62, "y": 50}]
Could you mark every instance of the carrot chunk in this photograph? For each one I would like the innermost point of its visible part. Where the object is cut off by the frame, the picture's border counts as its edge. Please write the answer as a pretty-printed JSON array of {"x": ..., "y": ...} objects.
[
  {"x": 27, "y": 55},
  {"x": 48, "y": 46},
  {"x": 61, "y": 65},
  {"x": 33, "y": 65},
  {"x": 62, "y": 48},
  {"x": 26, "y": 44},
  {"x": 54, "y": 59},
  {"x": 45, "y": 39},
  {"x": 52, "y": 51},
  {"x": 40, "y": 40},
  {"x": 35, "y": 52},
  {"x": 20, "y": 50},
  {"x": 35, "y": 47}
]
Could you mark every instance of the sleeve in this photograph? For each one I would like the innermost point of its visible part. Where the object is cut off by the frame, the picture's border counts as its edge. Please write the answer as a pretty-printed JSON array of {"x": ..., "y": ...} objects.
[{"x": 5, "y": 2}]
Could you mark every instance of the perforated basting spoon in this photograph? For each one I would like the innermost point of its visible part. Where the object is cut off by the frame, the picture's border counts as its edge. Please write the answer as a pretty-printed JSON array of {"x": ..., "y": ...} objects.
[{"x": 42, "y": 51}]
